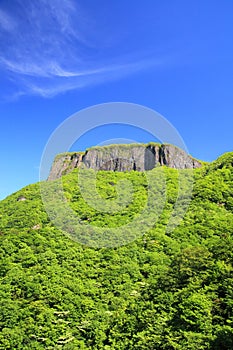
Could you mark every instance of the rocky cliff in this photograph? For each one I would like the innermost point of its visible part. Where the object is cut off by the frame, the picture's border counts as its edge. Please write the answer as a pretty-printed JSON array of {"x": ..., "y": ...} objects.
[{"x": 127, "y": 157}]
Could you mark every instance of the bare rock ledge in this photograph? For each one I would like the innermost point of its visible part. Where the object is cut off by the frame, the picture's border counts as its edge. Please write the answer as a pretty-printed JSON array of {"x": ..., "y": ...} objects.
[{"x": 128, "y": 157}]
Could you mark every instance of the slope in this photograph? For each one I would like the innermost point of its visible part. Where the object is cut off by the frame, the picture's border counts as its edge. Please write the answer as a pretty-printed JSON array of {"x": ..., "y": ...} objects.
[{"x": 164, "y": 290}]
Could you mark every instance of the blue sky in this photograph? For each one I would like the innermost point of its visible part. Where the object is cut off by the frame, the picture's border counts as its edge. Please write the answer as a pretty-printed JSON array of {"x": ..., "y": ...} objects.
[{"x": 60, "y": 56}]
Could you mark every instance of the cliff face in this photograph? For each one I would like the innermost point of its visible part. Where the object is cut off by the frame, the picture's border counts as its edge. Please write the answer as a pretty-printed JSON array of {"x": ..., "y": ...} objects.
[
  {"x": 63, "y": 164},
  {"x": 129, "y": 157},
  {"x": 175, "y": 157}
]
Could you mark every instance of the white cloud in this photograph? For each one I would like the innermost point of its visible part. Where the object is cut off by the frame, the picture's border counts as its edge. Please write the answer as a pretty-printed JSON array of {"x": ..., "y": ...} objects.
[{"x": 52, "y": 49}]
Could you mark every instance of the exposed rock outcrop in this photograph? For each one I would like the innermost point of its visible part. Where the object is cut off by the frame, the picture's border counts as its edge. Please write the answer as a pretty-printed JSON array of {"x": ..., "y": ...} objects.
[
  {"x": 127, "y": 157},
  {"x": 175, "y": 157},
  {"x": 21, "y": 199},
  {"x": 64, "y": 163}
]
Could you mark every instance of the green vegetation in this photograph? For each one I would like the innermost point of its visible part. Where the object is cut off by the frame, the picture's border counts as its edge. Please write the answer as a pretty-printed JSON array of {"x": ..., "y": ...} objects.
[
  {"x": 165, "y": 290},
  {"x": 120, "y": 145},
  {"x": 62, "y": 155}
]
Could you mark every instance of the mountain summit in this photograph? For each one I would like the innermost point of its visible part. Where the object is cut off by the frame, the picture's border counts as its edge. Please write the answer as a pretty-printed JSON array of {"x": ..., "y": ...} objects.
[
  {"x": 163, "y": 290},
  {"x": 123, "y": 157}
]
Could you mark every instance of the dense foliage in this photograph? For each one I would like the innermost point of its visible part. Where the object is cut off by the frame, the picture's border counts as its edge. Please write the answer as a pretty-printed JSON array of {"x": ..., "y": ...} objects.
[{"x": 165, "y": 290}]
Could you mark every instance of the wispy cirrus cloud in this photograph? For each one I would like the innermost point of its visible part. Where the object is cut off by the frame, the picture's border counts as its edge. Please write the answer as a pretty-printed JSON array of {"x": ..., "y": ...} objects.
[
  {"x": 7, "y": 23},
  {"x": 48, "y": 47}
]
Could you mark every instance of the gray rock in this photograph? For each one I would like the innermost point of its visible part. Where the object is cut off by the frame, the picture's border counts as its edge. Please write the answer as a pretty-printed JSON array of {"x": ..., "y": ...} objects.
[
  {"x": 64, "y": 163},
  {"x": 127, "y": 157},
  {"x": 21, "y": 199}
]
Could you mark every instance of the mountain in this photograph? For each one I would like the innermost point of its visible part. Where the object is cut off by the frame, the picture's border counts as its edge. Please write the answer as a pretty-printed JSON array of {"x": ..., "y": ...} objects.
[
  {"x": 166, "y": 289},
  {"x": 139, "y": 157}
]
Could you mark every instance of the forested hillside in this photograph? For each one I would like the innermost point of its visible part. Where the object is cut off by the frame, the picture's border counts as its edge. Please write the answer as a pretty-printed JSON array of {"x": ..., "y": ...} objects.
[{"x": 165, "y": 290}]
